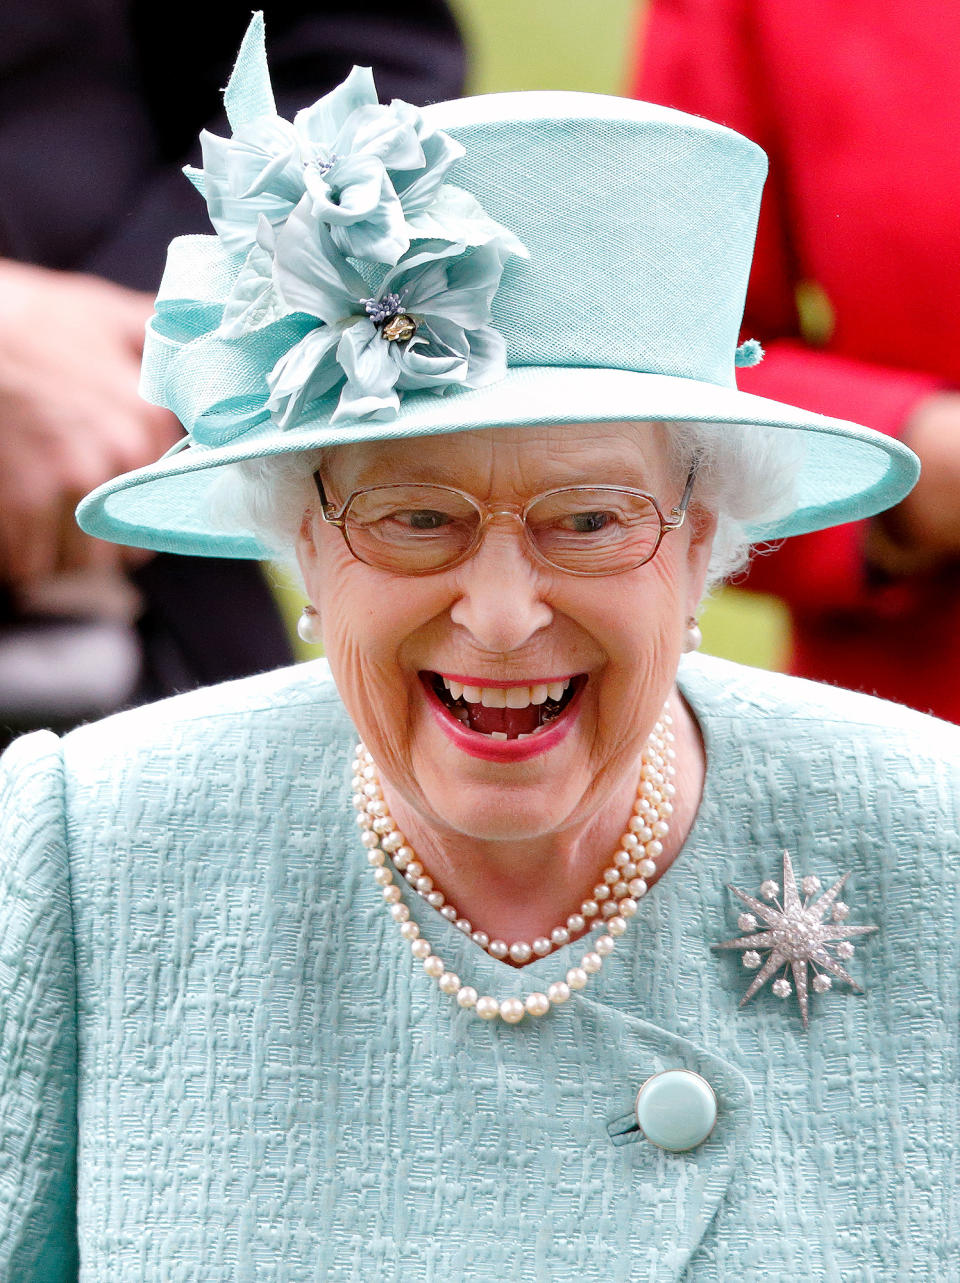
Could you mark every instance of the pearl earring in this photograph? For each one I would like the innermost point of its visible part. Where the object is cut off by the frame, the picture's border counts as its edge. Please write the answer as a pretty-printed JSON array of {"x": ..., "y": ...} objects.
[
  {"x": 693, "y": 638},
  {"x": 308, "y": 627}
]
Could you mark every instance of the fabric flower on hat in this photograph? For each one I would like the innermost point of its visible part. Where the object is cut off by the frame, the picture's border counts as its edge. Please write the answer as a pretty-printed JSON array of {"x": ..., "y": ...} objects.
[
  {"x": 341, "y": 151},
  {"x": 375, "y": 173},
  {"x": 427, "y": 326},
  {"x": 343, "y": 259}
]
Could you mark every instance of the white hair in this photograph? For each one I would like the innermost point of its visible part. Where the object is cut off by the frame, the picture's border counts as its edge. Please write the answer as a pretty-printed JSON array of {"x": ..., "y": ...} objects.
[{"x": 746, "y": 476}]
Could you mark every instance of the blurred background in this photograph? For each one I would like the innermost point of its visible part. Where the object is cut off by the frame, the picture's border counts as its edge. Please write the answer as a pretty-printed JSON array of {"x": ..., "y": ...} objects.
[{"x": 549, "y": 44}]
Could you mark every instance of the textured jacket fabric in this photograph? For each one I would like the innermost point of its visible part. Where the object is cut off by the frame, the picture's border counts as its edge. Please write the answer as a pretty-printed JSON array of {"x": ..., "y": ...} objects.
[
  {"x": 219, "y": 1062},
  {"x": 857, "y": 108}
]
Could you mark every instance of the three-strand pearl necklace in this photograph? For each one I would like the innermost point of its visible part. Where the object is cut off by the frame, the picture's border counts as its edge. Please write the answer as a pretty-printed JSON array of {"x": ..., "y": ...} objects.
[{"x": 613, "y": 901}]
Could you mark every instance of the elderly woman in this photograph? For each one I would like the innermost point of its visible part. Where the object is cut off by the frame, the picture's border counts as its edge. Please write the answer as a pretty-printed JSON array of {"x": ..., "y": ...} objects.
[{"x": 513, "y": 1023}]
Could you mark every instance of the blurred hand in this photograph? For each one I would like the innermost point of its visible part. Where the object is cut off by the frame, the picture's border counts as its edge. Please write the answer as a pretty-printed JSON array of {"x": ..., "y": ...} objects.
[
  {"x": 70, "y": 415},
  {"x": 922, "y": 534},
  {"x": 929, "y": 518}
]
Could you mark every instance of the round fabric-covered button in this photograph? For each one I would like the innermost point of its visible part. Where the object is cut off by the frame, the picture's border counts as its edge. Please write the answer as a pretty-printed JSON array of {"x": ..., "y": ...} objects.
[{"x": 676, "y": 1109}]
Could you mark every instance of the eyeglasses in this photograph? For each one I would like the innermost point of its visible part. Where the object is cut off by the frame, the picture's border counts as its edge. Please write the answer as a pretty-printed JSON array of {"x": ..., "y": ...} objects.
[{"x": 421, "y": 529}]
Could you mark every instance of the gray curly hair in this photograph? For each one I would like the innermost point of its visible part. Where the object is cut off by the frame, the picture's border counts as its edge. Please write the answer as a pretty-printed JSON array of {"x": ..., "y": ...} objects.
[{"x": 746, "y": 476}]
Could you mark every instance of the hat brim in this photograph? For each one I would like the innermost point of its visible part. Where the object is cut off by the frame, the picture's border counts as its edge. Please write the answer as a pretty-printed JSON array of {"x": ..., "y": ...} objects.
[{"x": 848, "y": 471}]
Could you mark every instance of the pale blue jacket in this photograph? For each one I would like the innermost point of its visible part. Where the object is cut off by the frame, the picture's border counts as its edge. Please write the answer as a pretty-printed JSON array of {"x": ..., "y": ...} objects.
[{"x": 219, "y": 1062}]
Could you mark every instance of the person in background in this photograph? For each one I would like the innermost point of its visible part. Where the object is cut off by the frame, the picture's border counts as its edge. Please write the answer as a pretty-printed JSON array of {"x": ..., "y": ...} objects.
[
  {"x": 853, "y": 293},
  {"x": 100, "y": 105}
]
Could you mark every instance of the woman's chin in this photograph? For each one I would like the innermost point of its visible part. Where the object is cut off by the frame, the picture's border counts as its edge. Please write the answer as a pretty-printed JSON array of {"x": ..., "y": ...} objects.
[{"x": 489, "y": 814}]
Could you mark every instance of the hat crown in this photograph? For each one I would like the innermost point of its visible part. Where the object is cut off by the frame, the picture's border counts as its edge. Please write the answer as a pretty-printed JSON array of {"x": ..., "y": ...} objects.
[{"x": 640, "y": 222}]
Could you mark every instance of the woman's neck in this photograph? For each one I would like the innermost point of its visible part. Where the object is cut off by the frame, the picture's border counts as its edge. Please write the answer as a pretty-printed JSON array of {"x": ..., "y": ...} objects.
[{"x": 519, "y": 890}]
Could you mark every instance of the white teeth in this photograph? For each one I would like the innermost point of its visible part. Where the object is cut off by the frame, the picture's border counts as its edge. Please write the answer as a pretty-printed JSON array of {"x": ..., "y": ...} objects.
[
  {"x": 493, "y": 697},
  {"x": 498, "y": 735},
  {"x": 506, "y": 696}
]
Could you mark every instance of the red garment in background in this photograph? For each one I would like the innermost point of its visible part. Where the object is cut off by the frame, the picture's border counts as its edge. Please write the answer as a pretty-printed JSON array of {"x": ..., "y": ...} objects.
[{"x": 857, "y": 105}]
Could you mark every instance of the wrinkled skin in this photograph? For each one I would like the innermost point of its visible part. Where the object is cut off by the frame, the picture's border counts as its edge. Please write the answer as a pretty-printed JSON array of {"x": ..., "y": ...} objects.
[{"x": 515, "y": 846}]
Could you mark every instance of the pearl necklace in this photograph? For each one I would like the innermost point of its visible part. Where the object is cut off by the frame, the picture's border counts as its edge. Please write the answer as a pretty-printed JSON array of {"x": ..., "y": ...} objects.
[{"x": 614, "y": 898}]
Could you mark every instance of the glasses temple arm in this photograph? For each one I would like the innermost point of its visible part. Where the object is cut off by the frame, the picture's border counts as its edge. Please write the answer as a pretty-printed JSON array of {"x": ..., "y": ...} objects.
[
  {"x": 680, "y": 511},
  {"x": 327, "y": 510}
]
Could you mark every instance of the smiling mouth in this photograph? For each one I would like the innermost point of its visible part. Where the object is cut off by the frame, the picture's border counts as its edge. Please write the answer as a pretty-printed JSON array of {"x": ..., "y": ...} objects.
[{"x": 504, "y": 712}]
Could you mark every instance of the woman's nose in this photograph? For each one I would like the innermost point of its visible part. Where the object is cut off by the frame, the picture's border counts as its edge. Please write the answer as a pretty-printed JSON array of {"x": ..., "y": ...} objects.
[{"x": 501, "y": 601}]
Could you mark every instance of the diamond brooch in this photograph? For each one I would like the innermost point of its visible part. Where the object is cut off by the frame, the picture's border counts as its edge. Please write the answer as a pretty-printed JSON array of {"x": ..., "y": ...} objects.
[{"x": 805, "y": 931}]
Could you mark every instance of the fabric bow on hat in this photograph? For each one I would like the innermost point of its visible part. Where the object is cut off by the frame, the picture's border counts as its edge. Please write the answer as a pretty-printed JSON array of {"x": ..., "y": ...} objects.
[{"x": 342, "y": 257}]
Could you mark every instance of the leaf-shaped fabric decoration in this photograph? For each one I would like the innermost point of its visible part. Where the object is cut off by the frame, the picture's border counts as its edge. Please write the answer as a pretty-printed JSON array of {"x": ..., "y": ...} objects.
[
  {"x": 307, "y": 371},
  {"x": 249, "y": 93},
  {"x": 255, "y": 300}
]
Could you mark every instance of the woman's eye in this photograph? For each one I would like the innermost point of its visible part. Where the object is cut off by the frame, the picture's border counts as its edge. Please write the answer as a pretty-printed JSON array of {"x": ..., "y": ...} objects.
[
  {"x": 423, "y": 519},
  {"x": 588, "y": 523}
]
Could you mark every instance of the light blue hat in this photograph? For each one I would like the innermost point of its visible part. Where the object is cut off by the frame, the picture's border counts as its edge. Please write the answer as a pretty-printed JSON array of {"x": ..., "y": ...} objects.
[{"x": 521, "y": 258}]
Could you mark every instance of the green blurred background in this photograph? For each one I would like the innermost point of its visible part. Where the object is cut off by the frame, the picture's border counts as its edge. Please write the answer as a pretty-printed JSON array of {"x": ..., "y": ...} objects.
[
  {"x": 549, "y": 44},
  {"x": 578, "y": 44}
]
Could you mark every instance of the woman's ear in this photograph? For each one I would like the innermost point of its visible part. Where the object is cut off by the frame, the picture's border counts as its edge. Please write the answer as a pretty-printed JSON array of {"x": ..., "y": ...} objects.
[
  {"x": 702, "y": 525},
  {"x": 306, "y": 546}
]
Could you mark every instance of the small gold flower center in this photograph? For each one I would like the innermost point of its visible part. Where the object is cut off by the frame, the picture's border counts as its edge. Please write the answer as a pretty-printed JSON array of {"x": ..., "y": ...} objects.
[{"x": 399, "y": 328}]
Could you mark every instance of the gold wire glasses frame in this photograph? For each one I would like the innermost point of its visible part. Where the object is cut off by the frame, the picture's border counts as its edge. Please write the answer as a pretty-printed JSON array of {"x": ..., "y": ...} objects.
[{"x": 451, "y": 529}]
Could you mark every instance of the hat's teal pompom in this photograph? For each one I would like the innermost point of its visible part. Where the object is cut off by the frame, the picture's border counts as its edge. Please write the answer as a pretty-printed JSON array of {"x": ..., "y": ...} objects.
[{"x": 747, "y": 354}]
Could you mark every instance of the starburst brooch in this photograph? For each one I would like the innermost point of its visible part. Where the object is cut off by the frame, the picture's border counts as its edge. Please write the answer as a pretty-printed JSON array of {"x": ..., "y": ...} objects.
[{"x": 797, "y": 934}]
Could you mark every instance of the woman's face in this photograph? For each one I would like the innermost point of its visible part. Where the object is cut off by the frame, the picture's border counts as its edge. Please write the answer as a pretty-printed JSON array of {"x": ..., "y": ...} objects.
[{"x": 503, "y": 620}]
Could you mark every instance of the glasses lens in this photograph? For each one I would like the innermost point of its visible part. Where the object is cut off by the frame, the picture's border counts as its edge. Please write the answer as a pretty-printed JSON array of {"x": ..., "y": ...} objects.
[
  {"x": 595, "y": 530},
  {"x": 411, "y": 529}
]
